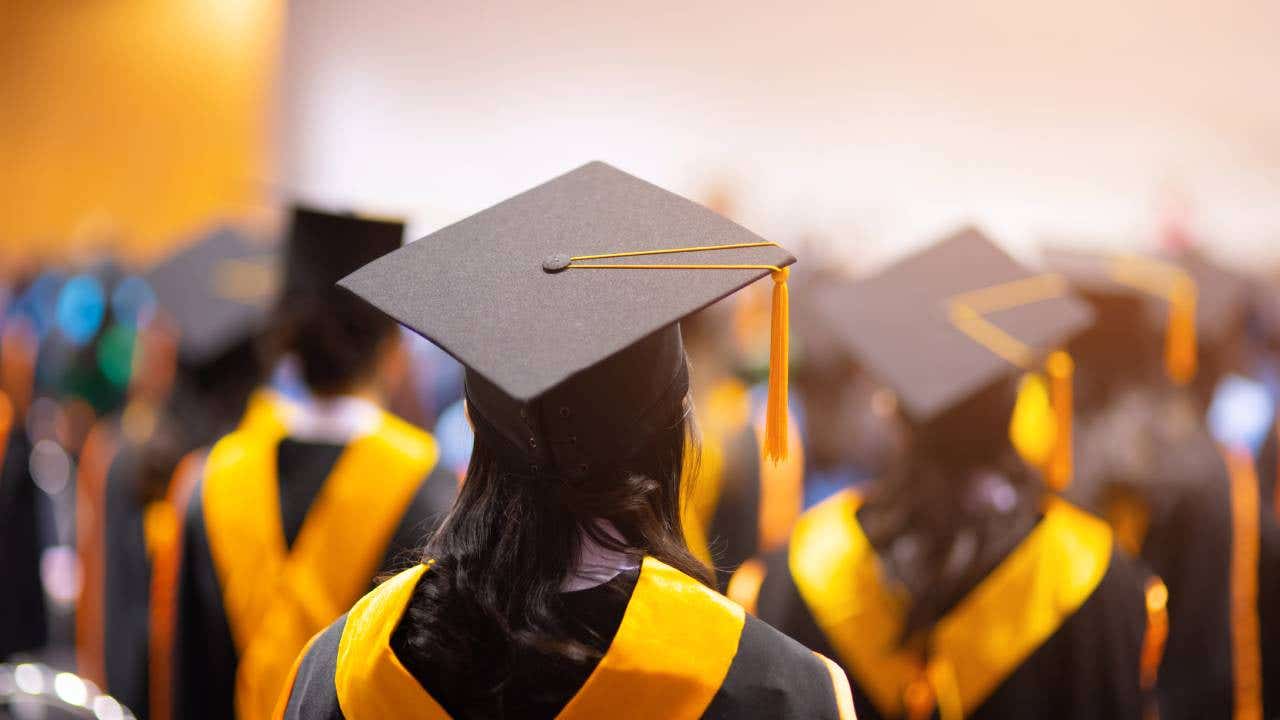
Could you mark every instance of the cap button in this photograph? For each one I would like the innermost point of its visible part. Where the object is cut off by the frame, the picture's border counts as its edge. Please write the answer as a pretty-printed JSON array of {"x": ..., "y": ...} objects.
[{"x": 556, "y": 263}]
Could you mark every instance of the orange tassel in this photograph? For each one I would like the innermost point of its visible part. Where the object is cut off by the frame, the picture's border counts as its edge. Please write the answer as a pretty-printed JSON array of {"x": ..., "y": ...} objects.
[
  {"x": 1180, "y": 337},
  {"x": 775, "y": 422},
  {"x": 1061, "y": 371}
]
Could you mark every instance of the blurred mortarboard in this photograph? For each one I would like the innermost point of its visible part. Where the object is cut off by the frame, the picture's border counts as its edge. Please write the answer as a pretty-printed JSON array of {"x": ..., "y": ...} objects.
[
  {"x": 1191, "y": 299},
  {"x": 323, "y": 247},
  {"x": 216, "y": 291},
  {"x": 1222, "y": 296},
  {"x": 563, "y": 303},
  {"x": 946, "y": 323}
]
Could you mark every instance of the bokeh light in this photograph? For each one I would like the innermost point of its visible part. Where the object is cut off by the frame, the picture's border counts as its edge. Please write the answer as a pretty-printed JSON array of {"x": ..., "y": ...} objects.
[{"x": 81, "y": 308}]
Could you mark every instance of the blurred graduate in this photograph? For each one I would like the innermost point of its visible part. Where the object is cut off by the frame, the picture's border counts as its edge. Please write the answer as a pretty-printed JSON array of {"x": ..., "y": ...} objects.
[
  {"x": 561, "y": 584},
  {"x": 1168, "y": 332},
  {"x": 295, "y": 513},
  {"x": 958, "y": 585}
]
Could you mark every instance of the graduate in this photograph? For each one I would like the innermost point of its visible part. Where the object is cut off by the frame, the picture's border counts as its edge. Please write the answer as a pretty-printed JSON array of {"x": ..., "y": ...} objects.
[
  {"x": 196, "y": 315},
  {"x": 957, "y": 585},
  {"x": 561, "y": 585},
  {"x": 296, "y": 513},
  {"x": 1146, "y": 461}
]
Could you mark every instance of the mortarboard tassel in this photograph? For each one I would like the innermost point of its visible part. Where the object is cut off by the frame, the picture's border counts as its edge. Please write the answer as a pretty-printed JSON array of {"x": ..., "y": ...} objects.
[
  {"x": 1061, "y": 370},
  {"x": 775, "y": 422},
  {"x": 1180, "y": 337}
]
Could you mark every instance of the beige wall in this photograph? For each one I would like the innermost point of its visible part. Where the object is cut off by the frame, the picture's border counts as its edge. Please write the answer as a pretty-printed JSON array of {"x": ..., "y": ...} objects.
[
  {"x": 876, "y": 123},
  {"x": 137, "y": 119}
]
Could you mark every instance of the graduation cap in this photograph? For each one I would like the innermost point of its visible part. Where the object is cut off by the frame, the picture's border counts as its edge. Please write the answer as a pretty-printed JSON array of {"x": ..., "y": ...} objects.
[
  {"x": 1190, "y": 298},
  {"x": 323, "y": 247},
  {"x": 216, "y": 291},
  {"x": 946, "y": 323},
  {"x": 563, "y": 304}
]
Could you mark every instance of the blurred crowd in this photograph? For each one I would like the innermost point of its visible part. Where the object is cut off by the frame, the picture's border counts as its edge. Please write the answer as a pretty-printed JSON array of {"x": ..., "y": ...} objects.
[{"x": 1149, "y": 412}]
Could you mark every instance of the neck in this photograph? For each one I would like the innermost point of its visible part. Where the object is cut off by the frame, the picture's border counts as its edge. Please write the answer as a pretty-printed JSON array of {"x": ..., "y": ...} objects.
[{"x": 597, "y": 564}]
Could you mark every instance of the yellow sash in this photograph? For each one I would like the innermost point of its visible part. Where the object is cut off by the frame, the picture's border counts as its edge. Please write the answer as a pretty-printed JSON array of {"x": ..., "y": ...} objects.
[
  {"x": 979, "y": 643},
  {"x": 1246, "y": 652},
  {"x": 668, "y": 659},
  {"x": 276, "y": 597}
]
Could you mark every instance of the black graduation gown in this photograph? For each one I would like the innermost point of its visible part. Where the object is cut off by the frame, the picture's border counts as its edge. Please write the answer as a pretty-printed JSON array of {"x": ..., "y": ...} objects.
[
  {"x": 1268, "y": 468},
  {"x": 1191, "y": 544},
  {"x": 1088, "y": 666},
  {"x": 23, "y": 622},
  {"x": 205, "y": 656},
  {"x": 735, "y": 667}
]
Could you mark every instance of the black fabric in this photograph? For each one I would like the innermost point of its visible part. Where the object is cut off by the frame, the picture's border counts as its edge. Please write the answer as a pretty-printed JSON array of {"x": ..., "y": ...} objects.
[
  {"x": 773, "y": 676},
  {"x": 1087, "y": 669},
  {"x": 314, "y": 695},
  {"x": 322, "y": 247},
  {"x": 427, "y": 510},
  {"x": 1268, "y": 466},
  {"x": 590, "y": 423},
  {"x": 204, "y": 662},
  {"x": 126, "y": 584},
  {"x": 302, "y": 469},
  {"x": 23, "y": 623},
  {"x": 734, "y": 534},
  {"x": 1269, "y": 612},
  {"x": 1189, "y": 547},
  {"x": 205, "y": 657},
  {"x": 898, "y": 323}
]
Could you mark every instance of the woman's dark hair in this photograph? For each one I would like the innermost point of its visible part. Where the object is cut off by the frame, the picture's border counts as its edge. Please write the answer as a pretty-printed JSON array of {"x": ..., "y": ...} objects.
[
  {"x": 953, "y": 504},
  {"x": 492, "y": 596},
  {"x": 334, "y": 335}
]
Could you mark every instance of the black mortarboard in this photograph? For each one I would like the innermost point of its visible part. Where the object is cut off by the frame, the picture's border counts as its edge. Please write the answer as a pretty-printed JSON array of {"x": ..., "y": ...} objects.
[
  {"x": 563, "y": 303},
  {"x": 324, "y": 247},
  {"x": 216, "y": 291},
  {"x": 1191, "y": 299},
  {"x": 944, "y": 324}
]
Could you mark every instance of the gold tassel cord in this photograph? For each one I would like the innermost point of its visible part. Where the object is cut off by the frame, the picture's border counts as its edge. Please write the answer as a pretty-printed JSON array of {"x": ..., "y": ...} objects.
[
  {"x": 776, "y": 431},
  {"x": 1175, "y": 286},
  {"x": 1061, "y": 374},
  {"x": 1040, "y": 426}
]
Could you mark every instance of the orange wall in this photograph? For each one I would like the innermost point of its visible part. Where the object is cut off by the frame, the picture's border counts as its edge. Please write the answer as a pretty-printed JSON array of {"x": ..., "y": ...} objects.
[{"x": 131, "y": 121}]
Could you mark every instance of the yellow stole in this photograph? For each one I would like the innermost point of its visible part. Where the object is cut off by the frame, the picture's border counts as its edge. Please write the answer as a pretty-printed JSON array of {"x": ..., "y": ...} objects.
[
  {"x": 979, "y": 643},
  {"x": 263, "y": 413},
  {"x": 277, "y": 597},
  {"x": 728, "y": 411},
  {"x": 668, "y": 659}
]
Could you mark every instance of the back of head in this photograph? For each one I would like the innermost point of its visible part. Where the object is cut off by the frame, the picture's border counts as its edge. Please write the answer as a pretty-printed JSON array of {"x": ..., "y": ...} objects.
[
  {"x": 956, "y": 500},
  {"x": 335, "y": 336},
  {"x": 598, "y": 461},
  {"x": 1123, "y": 348}
]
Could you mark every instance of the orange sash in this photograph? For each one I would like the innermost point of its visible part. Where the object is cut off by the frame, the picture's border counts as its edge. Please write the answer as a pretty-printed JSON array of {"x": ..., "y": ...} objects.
[
  {"x": 1246, "y": 652},
  {"x": 91, "y": 528},
  {"x": 979, "y": 643},
  {"x": 277, "y": 597},
  {"x": 670, "y": 655}
]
